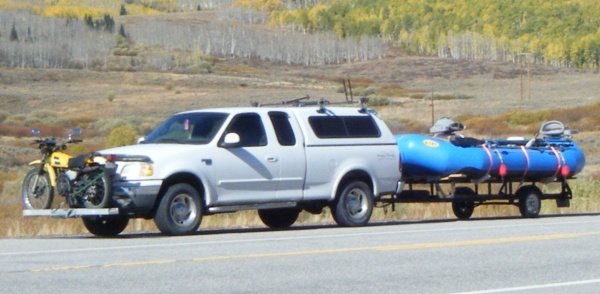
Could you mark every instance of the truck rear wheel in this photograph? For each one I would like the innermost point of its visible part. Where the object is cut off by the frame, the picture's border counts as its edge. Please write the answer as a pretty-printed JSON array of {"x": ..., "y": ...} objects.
[
  {"x": 105, "y": 226},
  {"x": 529, "y": 201},
  {"x": 353, "y": 205},
  {"x": 279, "y": 218},
  {"x": 179, "y": 211}
]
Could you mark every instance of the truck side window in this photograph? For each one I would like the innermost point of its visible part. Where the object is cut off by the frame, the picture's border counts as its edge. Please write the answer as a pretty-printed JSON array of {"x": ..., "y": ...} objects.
[
  {"x": 250, "y": 129},
  {"x": 361, "y": 127},
  {"x": 328, "y": 126},
  {"x": 344, "y": 126},
  {"x": 283, "y": 128}
]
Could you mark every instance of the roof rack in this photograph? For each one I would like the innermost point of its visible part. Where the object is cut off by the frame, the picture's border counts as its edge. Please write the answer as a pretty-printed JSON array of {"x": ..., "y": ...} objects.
[{"x": 304, "y": 101}]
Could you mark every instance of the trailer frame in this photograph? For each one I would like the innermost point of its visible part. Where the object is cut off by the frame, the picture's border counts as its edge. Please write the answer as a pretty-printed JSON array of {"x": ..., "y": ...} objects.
[{"x": 466, "y": 194}]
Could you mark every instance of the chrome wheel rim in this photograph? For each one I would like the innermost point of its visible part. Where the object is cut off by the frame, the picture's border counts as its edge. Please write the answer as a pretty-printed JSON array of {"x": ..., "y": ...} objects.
[
  {"x": 357, "y": 203},
  {"x": 183, "y": 210}
]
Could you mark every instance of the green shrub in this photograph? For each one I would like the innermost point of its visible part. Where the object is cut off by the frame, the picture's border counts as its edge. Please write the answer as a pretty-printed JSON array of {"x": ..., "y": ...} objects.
[
  {"x": 111, "y": 96},
  {"x": 16, "y": 119},
  {"x": 3, "y": 115},
  {"x": 379, "y": 101},
  {"x": 393, "y": 91},
  {"x": 121, "y": 136}
]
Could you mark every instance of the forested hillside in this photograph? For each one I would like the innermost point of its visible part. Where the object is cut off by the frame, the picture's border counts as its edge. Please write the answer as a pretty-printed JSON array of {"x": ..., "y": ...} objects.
[
  {"x": 561, "y": 33},
  {"x": 147, "y": 35}
]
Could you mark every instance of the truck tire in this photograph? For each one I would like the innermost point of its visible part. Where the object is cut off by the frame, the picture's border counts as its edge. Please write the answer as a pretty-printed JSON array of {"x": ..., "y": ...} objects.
[
  {"x": 529, "y": 201},
  {"x": 179, "y": 211},
  {"x": 36, "y": 191},
  {"x": 353, "y": 205},
  {"x": 105, "y": 226},
  {"x": 462, "y": 206},
  {"x": 278, "y": 218}
]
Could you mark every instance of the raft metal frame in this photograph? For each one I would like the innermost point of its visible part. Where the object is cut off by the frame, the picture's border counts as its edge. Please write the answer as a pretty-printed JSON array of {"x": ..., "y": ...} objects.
[{"x": 486, "y": 195}]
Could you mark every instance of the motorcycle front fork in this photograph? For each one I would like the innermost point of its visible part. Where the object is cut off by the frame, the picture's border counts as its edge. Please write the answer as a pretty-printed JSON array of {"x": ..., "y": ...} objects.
[{"x": 36, "y": 179}]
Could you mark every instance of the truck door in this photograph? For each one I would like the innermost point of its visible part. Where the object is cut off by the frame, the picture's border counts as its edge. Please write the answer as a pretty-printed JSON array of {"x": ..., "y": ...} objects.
[
  {"x": 247, "y": 171},
  {"x": 290, "y": 155}
]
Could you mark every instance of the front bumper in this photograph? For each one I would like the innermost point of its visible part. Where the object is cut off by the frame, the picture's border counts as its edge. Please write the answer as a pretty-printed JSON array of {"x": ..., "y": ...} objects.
[{"x": 136, "y": 197}]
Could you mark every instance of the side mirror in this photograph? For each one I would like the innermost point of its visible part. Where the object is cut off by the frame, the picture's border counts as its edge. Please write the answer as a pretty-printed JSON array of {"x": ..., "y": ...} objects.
[
  {"x": 75, "y": 132},
  {"x": 141, "y": 140},
  {"x": 231, "y": 140}
]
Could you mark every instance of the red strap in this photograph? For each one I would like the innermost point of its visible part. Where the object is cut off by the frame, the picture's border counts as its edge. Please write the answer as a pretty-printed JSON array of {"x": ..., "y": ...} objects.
[
  {"x": 526, "y": 160},
  {"x": 490, "y": 159},
  {"x": 558, "y": 161}
]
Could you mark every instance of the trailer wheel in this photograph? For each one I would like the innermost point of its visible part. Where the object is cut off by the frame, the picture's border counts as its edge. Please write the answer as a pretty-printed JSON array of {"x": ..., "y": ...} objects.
[
  {"x": 529, "y": 201},
  {"x": 279, "y": 218},
  {"x": 353, "y": 205},
  {"x": 105, "y": 226},
  {"x": 179, "y": 211},
  {"x": 462, "y": 205}
]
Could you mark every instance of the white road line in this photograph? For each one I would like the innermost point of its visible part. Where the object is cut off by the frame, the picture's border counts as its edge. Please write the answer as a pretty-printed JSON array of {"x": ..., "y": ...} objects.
[
  {"x": 533, "y": 287},
  {"x": 304, "y": 237}
]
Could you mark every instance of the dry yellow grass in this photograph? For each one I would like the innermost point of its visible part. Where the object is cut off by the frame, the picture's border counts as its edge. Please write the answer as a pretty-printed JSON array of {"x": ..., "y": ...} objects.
[{"x": 586, "y": 200}]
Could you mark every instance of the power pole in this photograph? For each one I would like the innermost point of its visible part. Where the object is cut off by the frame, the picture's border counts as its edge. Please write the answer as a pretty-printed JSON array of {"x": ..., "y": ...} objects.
[
  {"x": 528, "y": 81},
  {"x": 432, "y": 107},
  {"x": 521, "y": 74},
  {"x": 525, "y": 55}
]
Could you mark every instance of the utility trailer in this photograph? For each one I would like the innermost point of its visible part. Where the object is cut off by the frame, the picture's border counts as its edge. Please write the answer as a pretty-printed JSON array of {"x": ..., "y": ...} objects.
[
  {"x": 446, "y": 166},
  {"x": 465, "y": 195}
]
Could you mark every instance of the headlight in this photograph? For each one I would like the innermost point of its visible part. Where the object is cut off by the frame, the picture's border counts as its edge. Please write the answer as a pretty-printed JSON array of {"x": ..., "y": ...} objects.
[{"x": 137, "y": 169}]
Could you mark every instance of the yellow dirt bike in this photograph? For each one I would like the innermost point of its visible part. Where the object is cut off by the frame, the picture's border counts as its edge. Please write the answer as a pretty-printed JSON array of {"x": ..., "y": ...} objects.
[{"x": 85, "y": 181}]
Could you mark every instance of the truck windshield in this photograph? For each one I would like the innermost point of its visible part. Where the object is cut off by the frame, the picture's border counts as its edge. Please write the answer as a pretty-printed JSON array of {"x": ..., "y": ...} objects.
[{"x": 188, "y": 128}]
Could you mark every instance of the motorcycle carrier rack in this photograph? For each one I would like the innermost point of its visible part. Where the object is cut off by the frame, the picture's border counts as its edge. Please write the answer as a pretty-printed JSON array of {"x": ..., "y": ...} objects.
[{"x": 70, "y": 212}]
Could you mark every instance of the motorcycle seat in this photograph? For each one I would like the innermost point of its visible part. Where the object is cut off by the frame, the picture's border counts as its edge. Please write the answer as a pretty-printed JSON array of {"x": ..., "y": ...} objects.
[{"x": 78, "y": 162}]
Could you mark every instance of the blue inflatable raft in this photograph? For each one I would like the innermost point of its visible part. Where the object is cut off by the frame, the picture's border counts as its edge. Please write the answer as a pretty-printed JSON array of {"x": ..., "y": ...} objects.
[{"x": 445, "y": 153}]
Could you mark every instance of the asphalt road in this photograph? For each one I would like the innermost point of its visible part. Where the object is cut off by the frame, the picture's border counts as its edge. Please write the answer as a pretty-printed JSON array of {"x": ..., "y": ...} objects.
[{"x": 544, "y": 255}]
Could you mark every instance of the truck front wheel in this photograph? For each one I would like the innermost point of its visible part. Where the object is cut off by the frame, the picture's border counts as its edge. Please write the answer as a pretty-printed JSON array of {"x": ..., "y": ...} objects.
[
  {"x": 279, "y": 218},
  {"x": 179, "y": 211},
  {"x": 353, "y": 205}
]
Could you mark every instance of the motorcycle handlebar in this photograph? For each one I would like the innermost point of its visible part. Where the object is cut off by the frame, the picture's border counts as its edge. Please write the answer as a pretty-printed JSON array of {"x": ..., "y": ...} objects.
[{"x": 51, "y": 142}]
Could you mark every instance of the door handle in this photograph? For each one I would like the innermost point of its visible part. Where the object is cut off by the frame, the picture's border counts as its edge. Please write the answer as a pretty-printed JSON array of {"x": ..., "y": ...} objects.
[{"x": 272, "y": 159}]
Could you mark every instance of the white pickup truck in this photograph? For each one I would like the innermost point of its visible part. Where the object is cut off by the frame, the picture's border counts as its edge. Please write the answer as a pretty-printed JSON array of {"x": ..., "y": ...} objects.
[{"x": 277, "y": 160}]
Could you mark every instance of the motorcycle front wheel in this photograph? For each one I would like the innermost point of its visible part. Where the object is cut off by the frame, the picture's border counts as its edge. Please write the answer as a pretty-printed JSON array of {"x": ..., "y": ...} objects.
[
  {"x": 98, "y": 190},
  {"x": 36, "y": 191}
]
